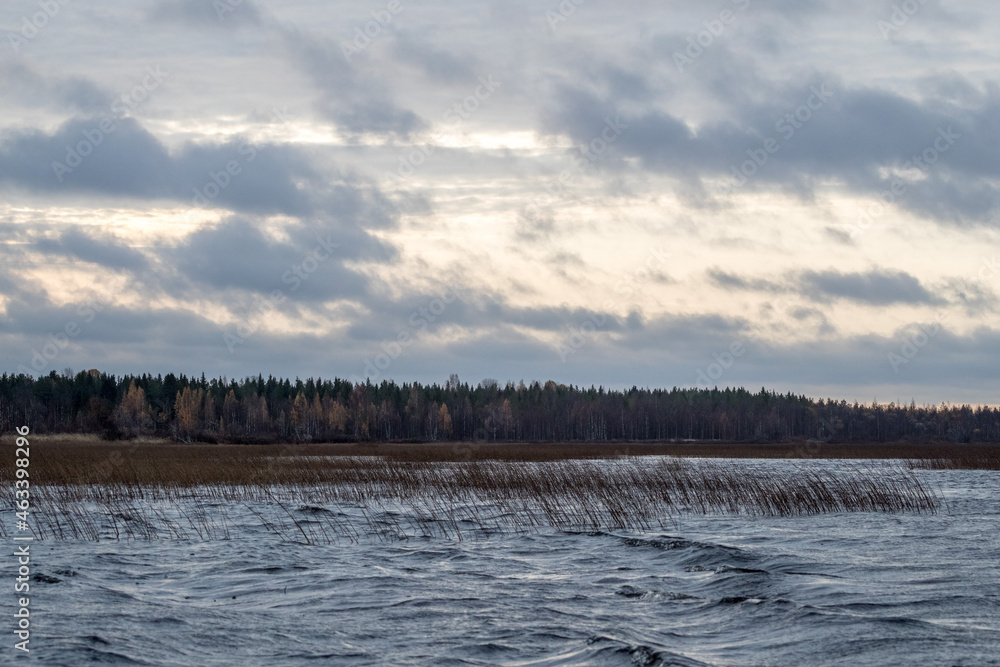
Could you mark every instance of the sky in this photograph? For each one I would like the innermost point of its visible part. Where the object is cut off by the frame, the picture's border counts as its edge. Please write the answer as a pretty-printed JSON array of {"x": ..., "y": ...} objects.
[{"x": 796, "y": 194}]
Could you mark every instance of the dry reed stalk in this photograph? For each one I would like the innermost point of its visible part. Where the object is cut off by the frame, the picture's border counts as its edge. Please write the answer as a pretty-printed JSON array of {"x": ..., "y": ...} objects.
[{"x": 79, "y": 495}]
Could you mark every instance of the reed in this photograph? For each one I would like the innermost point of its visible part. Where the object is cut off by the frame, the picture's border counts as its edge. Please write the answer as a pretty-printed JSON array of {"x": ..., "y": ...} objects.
[
  {"x": 330, "y": 494},
  {"x": 985, "y": 458},
  {"x": 87, "y": 446}
]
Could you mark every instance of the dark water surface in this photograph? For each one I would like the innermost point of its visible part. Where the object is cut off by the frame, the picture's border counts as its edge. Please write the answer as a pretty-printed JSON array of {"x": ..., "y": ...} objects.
[{"x": 840, "y": 589}]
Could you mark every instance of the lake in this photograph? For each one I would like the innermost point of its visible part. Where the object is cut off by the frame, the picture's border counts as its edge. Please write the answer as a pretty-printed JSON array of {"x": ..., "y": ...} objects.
[{"x": 829, "y": 589}]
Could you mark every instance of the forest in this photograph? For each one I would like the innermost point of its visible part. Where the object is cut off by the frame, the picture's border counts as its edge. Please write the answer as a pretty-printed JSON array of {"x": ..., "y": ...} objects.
[{"x": 259, "y": 410}]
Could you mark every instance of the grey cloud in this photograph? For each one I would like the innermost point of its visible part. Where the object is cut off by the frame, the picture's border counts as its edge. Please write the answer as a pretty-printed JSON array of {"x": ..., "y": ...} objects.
[
  {"x": 947, "y": 359},
  {"x": 206, "y": 15},
  {"x": 7, "y": 283},
  {"x": 856, "y": 367},
  {"x": 855, "y": 133},
  {"x": 952, "y": 199},
  {"x": 639, "y": 345},
  {"x": 221, "y": 262},
  {"x": 107, "y": 253},
  {"x": 270, "y": 177},
  {"x": 111, "y": 325},
  {"x": 129, "y": 161},
  {"x": 839, "y": 235},
  {"x": 930, "y": 13},
  {"x": 510, "y": 12},
  {"x": 876, "y": 287},
  {"x": 309, "y": 267},
  {"x": 975, "y": 296},
  {"x": 356, "y": 99},
  {"x": 728, "y": 280},
  {"x": 534, "y": 229},
  {"x": 666, "y": 351},
  {"x": 437, "y": 64},
  {"x": 114, "y": 339},
  {"x": 635, "y": 321},
  {"x": 685, "y": 132},
  {"x": 386, "y": 316},
  {"x": 683, "y": 334},
  {"x": 564, "y": 258},
  {"x": 504, "y": 344},
  {"x": 815, "y": 317},
  {"x": 31, "y": 87},
  {"x": 582, "y": 115},
  {"x": 623, "y": 84},
  {"x": 238, "y": 175}
]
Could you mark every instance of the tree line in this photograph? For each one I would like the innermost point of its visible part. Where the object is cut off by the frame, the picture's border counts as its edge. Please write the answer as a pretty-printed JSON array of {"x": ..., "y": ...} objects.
[{"x": 255, "y": 409}]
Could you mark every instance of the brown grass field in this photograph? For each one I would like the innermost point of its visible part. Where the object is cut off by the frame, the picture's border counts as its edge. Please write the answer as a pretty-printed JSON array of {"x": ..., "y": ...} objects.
[{"x": 74, "y": 454}]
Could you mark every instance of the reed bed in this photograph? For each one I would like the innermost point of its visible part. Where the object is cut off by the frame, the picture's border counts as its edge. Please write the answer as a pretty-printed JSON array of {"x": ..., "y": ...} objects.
[
  {"x": 88, "y": 448},
  {"x": 306, "y": 495},
  {"x": 982, "y": 459}
]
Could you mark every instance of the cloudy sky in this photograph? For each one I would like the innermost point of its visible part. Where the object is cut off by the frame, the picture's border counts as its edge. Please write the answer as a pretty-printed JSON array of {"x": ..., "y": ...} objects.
[{"x": 800, "y": 194}]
